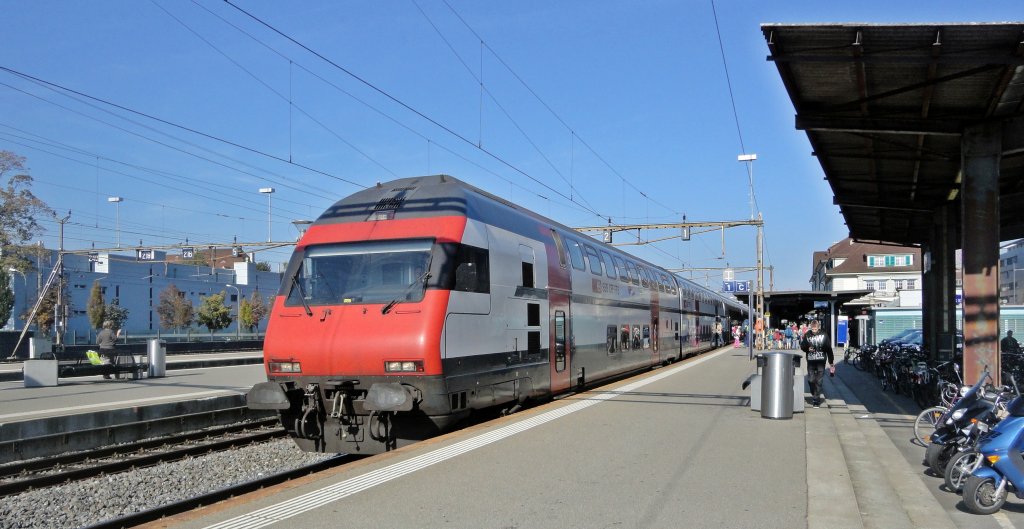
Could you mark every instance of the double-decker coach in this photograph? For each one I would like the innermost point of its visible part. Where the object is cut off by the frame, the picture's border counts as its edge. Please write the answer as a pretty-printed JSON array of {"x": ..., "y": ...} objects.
[{"x": 409, "y": 304}]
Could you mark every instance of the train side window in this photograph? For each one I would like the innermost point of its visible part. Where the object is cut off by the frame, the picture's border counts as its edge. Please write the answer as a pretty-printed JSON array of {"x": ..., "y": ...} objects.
[
  {"x": 576, "y": 255},
  {"x": 633, "y": 276},
  {"x": 533, "y": 342},
  {"x": 559, "y": 340},
  {"x": 595, "y": 260},
  {"x": 528, "y": 275},
  {"x": 620, "y": 265},
  {"x": 533, "y": 314},
  {"x": 472, "y": 271},
  {"x": 609, "y": 265},
  {"x": 560, "y": 247},
  {"x": 624, "y": 338},
  {"x": 644, "y": 281},
  {"x": 611, "y": 333}
]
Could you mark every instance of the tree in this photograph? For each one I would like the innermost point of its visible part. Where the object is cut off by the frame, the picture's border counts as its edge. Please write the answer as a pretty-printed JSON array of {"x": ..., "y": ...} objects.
[
  {"x": 44, "y": 318},
  {"x": 19, "y": 210},
  {"x": 263, "y": 266},
  {"x": 116, "y": 314},
  {"x": 252, "y": 310},
  {"x": 6, "y": 297},
  {"x": 96, "y": 308},
  {"x": 174, "y": 310},
  {"x": 213, "y": 314}
]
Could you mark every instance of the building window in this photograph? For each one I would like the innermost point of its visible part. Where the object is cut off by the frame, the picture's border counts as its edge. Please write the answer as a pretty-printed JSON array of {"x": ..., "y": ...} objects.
[
  {"x": 911, "y": 284},
  {"x": 869, "y": 285},
  {"x": 881, "y": 285}
]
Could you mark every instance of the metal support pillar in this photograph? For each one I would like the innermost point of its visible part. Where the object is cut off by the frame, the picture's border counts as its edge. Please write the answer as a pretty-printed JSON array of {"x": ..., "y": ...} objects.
[
  {"x": 939, "y": 284},
  {"x": 981, "y": 147}
]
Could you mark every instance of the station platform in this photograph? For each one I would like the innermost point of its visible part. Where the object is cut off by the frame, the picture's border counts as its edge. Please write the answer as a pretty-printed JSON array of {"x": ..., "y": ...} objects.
[
  {"x": 675, "y": 447},
  {"x": 13, "y": 370}
]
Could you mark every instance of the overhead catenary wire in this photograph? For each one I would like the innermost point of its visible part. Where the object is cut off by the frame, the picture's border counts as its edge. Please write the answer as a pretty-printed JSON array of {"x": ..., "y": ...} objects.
[
  {"x": 429, "y": 141},
  {"x": 544, "y": 103},
  {"x": 405, "y": 105}
]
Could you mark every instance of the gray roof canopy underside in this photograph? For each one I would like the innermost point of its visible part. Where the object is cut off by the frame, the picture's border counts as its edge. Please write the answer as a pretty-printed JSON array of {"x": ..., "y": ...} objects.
[{"x": 884, "y": 107}]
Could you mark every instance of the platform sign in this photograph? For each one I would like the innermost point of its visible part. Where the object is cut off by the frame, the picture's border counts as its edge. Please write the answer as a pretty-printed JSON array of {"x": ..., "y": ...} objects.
[
  {"x": 959, "y": 299},
  {"x": 735, "y": 286},
  {"x": 841, "y": 330},
  {"x": 145, "y": 255},
  {"x": 188, "y": 253}
]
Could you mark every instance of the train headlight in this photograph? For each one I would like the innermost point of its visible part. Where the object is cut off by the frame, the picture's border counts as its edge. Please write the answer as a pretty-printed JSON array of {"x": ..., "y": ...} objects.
[
  {"x": 406, "y": 366},
  {"x": 285, "y": 367}
]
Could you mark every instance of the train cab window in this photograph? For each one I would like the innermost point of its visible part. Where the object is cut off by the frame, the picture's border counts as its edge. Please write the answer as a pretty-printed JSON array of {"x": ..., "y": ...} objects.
[
  {"x": 633, "y": 276},
  {"x": 472, "y": 270},
  {"x": 560, "y": 341},
  {"x": 595, "y": 260},
  {"x": 362, "y": 272},
  {"x": 609, "y": 265},
  {"x": 620, "y": 265},
  {"x": 576, "y": 254}
]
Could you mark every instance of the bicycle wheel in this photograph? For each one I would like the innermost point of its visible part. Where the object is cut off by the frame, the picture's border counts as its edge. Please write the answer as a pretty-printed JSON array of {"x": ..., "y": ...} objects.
[{"x": 924, "y": 425}]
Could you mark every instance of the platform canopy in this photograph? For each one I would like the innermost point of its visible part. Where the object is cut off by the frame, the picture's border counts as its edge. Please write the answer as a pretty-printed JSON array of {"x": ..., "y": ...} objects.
[{"x": 884, "y": 107}]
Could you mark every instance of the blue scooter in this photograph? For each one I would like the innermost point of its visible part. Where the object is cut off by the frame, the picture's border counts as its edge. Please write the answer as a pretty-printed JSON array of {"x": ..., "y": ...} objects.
[{"x": 1002, "y": 463}]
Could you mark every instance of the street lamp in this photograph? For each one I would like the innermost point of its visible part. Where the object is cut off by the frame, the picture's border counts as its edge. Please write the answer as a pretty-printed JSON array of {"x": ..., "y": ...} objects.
[
  {"x": 268, "y": 191},
  {"x": 749, "y": 159},
  {"x": 238, "y": 311},
  {"x": 117, "y": 201}
]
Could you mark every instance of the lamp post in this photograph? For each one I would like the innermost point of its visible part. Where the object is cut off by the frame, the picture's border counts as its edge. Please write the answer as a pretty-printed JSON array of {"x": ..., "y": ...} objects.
[
  {"x": 117, "y": 202},
  {"x": 749, "y": 159},
  {"x": 238, "y": 311},
  {"x": 269, "y": 191}
]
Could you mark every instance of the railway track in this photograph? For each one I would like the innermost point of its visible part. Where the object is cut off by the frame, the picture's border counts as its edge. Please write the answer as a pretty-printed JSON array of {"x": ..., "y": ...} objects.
[
  {"x": 225, "y": 493},
  {"x": 19, "y": 477}
]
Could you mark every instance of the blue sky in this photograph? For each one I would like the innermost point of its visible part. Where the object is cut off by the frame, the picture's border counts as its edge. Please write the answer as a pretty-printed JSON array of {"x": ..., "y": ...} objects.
[{"x": 634, "y": 120}]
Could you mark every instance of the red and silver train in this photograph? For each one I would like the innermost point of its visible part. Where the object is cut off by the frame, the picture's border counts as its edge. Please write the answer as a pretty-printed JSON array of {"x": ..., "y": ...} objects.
[{"x": 408, "y": 305}]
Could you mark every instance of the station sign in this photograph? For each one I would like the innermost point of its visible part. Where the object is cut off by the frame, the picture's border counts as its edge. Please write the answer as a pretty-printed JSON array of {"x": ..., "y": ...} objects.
[{"x": 735, "y": 286}]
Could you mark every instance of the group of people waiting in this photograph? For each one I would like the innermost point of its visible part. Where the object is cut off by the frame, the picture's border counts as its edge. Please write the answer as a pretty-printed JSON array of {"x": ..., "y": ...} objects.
[{"x": 785, "y": 337}]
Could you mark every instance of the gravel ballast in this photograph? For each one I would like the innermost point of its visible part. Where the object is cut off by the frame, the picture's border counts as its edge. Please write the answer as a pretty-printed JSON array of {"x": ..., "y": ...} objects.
[{"x": 89, "y": 502}]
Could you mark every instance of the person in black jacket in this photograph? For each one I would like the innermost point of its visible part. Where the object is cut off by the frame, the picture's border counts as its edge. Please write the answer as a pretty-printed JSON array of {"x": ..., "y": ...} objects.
[{"x": 817, "y": 345}]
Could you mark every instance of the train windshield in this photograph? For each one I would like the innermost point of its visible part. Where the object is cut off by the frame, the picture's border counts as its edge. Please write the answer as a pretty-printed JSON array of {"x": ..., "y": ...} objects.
[{"x": 362, "y": 272}]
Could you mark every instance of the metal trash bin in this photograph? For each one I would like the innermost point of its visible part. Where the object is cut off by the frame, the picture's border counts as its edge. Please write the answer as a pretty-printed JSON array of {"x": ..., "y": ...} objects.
[
  {"x": 777, "y": 385},
  {"x": 156, "y": 350}
]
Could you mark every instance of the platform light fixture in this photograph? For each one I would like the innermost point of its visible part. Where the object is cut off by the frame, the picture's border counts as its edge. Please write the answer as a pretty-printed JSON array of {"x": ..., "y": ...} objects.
[
  {"x": 269, "y": 191},
  {"x": 749, "y": 160}
]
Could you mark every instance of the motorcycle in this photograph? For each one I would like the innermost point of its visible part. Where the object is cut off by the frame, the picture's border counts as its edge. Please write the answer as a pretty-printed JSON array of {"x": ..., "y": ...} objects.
[
  {"x": 1001, "y": 467},
  {"x": 959, "y": 429}
]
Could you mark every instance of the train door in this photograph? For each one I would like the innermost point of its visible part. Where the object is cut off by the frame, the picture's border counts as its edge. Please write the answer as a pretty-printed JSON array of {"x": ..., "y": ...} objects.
[{"x": 561, "y": 342}]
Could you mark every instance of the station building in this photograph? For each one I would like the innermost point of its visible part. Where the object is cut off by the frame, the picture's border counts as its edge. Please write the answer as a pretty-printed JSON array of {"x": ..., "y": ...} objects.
[{"x": 136, "y": 281}]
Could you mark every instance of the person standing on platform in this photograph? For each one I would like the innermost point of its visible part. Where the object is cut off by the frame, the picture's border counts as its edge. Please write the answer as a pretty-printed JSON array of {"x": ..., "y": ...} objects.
[
  {"x": 105, "y": 340},
  {"x": 718, "y": 334},
  {"x": 1009, "y": 344},
  {"x": 818, "y": 348}
]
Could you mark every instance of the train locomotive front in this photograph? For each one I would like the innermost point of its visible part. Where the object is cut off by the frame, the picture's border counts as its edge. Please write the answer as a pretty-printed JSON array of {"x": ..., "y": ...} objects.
[{"x": 352, "y": 349}]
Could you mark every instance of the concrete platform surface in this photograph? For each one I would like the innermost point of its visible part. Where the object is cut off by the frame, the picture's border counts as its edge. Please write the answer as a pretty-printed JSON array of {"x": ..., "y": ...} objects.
[
  {"x": 677, "y": 447},
  {"x": 10, "y": 371},
  {"x": 82, "y": 395}
]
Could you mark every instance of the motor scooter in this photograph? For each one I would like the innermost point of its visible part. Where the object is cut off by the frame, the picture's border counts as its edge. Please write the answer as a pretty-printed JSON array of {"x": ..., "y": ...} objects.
[
  {"x": 1002, "y": 464},
  {"x": 959, "y": 428}
]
